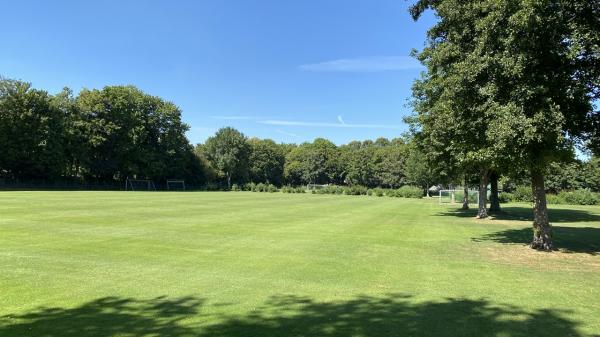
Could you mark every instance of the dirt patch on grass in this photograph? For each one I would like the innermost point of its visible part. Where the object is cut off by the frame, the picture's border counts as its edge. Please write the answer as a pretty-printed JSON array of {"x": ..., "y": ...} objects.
[{"x": 522, "y": 255}]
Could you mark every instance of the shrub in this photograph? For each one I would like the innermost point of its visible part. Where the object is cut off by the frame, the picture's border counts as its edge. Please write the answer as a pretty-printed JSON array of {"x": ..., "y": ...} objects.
[
  {"x": 235, "y": 188},
  {"x": 580, "y": 197},
  {"x": 523, "y": 194},
  {"x": 378, "y": 192},
  {"x": 356, "y": 190},
  {"x": 505, "y": 197},
  {"x": 369, "y": 192},
  {"x": 409, "y": 192},
  {"x": 554, "y": 199}
]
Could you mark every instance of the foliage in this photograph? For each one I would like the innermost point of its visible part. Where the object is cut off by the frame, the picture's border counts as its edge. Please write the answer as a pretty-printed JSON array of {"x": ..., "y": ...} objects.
[
  {"x": 100, "y": 135},
  {"x": 228, "y": 152},
  {"x": 409, "y": 192},
  {"x": 260, "y": 187},
  {"x": 523, "y": 194},
  {"x": 266, "y": 161},
  {"x": 313, "y": 163},
  {"x": 579, "y": 197}
]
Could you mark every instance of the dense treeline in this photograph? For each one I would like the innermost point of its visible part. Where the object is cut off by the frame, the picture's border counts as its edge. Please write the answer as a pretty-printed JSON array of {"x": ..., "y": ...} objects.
[
  {"x": 381, "y": 163},
  {"x": 97, "y": 136},
  {"x": 232, "y": 158},
  {"x": 117, "y": 132}
]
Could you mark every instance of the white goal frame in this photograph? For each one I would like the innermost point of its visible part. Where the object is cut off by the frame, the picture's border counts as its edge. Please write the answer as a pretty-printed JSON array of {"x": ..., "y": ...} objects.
[
  {"x": 311, "y": 187},
  {"x": 175, "y": 181},
  {"x": 452, "y": 194},
  {"x": 149, "y": 184}
]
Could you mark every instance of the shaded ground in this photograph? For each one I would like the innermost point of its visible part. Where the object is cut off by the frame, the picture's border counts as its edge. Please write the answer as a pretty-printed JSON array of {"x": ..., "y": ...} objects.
[
  {"x": 524, "y": 213},
  {"x": 392, "y": 315}
]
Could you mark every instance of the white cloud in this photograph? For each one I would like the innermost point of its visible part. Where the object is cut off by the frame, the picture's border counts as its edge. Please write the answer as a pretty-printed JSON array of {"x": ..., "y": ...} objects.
[
  {"x": 330, "y": 125},
  {"x": 287, "y": 133},
  {"x": 367, "y": 64},
  {"x": 234, "y": 118},
  {"x": 341, "y": 120}
]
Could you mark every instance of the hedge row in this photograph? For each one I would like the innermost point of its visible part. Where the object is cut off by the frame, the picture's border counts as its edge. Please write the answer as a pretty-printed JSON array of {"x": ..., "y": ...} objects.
[
  {"x": 576, "y": 197},
  {"x": 402, "y": 192}
]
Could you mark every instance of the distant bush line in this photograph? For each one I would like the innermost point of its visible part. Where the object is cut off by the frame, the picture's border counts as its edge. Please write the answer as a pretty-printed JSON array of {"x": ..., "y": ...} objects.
[{"x": 574, "y": 197}]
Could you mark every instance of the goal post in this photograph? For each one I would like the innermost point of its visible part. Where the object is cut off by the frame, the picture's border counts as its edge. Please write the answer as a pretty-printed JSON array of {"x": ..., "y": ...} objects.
[
  {"x": 311, "y": 187},
  {"x": 139, "y": 185},
  {"x": 175, "y": 185},
  {"x": 456, "y": 196}
]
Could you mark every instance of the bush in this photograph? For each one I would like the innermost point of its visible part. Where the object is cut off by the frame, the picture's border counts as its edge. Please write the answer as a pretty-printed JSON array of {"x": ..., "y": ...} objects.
[
  {"x": 378, "y": 192},
  {"x": 505, "y": 197},
  {"x": 369, "y": 192},
  {"x": 580, "y": 197},
  {"x": 554, "y": 199},
  {"x": 523, "y": 194},
  {"x": 409, "y": 192},
  {"x": 356, "y": 190}
]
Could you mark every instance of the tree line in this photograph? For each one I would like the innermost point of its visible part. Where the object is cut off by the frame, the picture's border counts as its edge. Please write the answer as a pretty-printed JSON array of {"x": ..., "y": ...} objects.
[
  {"x": 101, "y": 136},
  {"x": 232, "y": 158},
  {"x": 108, "y": 135}
]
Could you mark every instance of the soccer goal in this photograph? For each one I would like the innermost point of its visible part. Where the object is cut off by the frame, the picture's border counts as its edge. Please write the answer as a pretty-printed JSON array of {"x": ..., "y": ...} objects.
[
  {"x": 175, "y": 185},
  {"x": 311, "y": 187},
  {"x": 139, "y": 185},
  {"x": 456, "y": 196}
]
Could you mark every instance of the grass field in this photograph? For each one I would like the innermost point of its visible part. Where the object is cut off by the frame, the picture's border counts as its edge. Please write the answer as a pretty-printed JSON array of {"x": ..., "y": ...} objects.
[{"x": 259, "y": 264}]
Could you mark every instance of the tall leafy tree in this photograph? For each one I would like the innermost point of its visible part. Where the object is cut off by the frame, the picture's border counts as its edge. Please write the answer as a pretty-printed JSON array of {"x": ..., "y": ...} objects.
[
  {"x": 228, "y": 152},
  {"x": 314, "y": 163},
  {"x": 31, "y": 133},
  {"x": 531, "y": 67},
  {"x": 266, "y": 161}
]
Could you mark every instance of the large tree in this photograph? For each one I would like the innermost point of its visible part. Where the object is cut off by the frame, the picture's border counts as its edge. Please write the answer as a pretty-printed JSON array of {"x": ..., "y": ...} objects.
[
  {"x": 450, "y": 124},
  {"x": 129, "y": 133},
  {"x": 31, "y": 133},
  {"x": 314, "y": 163},
  {"x": 228, "y": 152},
  {"x": 533, "y": 66},
  {"x": 266, "y": 161}
]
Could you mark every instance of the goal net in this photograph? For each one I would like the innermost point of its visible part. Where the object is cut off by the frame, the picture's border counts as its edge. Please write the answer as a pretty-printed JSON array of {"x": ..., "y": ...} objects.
[
  {"x": 456, "y": 196},
  {"x": 139, "y": 185},
  {"x": 315, "y": 186},
  {"x": 175, "y": 185}
]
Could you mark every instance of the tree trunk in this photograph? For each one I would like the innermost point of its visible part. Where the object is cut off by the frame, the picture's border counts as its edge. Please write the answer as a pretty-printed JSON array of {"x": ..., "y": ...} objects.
[
  {"x": 483, "y": 182},
  {"x": 228, "y": 181},
  {"x": 465, "y": 205},
  {"x": 542, "y": 231},
  {"x": 494, "y": 199}
]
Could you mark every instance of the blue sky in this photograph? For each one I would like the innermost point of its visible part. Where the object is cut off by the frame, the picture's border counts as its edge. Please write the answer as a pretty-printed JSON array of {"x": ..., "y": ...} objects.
[{"x": 286, "y": 70}]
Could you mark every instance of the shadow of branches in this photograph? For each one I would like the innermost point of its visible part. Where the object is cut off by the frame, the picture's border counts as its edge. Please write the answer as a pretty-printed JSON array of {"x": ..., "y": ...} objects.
[
  {"x": 392, "y": 315},
  {"x": 568, "y": 239},
  {"x": 109, "y": 316},
  {"x": 515, "y": 213}
]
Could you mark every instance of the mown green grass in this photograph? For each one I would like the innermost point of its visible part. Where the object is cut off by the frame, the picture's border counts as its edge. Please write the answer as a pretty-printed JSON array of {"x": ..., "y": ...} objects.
[{"x": 273, "y": 264}]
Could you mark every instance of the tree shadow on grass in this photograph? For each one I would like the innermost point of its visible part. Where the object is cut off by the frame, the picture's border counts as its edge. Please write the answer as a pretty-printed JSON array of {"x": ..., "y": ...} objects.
[
  {"x": 104, "y": 317},
  {"x": 391, "y": 315},
  {"x": 515, "y": 213},
  {"x": 567, "y": 239}
]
